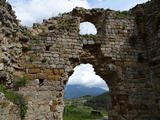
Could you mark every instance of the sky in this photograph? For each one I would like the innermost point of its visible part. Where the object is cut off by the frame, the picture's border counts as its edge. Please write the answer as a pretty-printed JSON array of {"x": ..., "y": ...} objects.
[
  {"x": 84, "y": 75},
  {"x": 34, "y": 11}
]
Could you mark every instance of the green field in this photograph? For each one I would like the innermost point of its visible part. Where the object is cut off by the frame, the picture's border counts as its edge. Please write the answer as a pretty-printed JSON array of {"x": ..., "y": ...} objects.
[{"x": 76, "y": 110}]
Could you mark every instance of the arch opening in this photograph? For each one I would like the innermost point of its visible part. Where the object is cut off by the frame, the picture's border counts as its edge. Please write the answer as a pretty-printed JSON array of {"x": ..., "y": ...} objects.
[
  {"x": 87, "y": 28},
  {"x": 86, "y": 95}
]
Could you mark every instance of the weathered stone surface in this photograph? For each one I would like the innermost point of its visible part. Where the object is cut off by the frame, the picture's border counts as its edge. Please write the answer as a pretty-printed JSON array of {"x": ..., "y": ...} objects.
[
  {"x": 123, "y": 53},
  {"x": 8, "y": 111}
]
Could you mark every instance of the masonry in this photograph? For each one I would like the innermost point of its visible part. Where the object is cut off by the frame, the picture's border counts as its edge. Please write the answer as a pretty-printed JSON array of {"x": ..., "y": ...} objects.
[{"x": 125, "y": 53}]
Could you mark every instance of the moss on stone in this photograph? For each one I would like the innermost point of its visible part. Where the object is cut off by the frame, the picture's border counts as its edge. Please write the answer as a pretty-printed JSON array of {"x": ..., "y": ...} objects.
[
  {"x": 16, "y": 98},
  {"x": 21, "y": 82}
]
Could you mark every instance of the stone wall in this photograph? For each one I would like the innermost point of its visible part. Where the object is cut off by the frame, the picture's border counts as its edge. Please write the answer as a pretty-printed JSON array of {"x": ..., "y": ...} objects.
[
  {"x": 8, "y": 111},
  {"x": 121, "y": 53}
]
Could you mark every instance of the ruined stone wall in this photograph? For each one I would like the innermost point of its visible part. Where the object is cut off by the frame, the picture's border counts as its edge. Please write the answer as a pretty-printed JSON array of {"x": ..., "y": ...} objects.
[
  {"x": 118, "y": 53},
  {"x": 8, "y": 111}
]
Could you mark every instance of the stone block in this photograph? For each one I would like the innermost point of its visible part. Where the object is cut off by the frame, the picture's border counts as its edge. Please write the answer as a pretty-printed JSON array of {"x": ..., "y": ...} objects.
[
  {"x": 41, "y": 76},
  {"x": 48, "y": 71},
  {"x": 56, "y": 71},
  {"x": 1, "y": 66},
  {"x": 57, "y": 77},
  {"x": 34, "y": 70},
  {"x": 51, "y": 77},
  {"x": 27, "y": 66},
  {"x": 29, "y": 76},
  {"x": 61, "y": 71}
]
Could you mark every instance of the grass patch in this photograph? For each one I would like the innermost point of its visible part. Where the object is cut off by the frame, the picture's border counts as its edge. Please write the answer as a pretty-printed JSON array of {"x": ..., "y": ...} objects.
[
  {"x": 16, "y": 98},
  {"x": 32, "y": 58},
  {"x": 121, "y": 15},
  {"x": 26, "y": 33},
  {"x": 75, "y": 113},
  {"x": 21, "y": 82},
  {"x": 124, "y": 26},
  {"x": 23, "y": 110},
  {"x": 30, "y": 47}
]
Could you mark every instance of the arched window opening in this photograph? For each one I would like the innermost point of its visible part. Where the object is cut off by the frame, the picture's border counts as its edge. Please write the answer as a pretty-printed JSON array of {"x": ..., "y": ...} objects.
[
  {"x": 87, "y": 28},
  {"x": 86, "y": 95}
]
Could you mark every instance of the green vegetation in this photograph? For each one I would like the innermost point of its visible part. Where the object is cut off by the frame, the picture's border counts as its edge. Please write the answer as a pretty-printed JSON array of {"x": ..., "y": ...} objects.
[
  {"x": 124, "y": 26},
  {"x": 63, "y": 26},
  {"x": 69, "y": 21},
  {"x": 30, "y": 47},
  {"x": 16, "y": 98},
  {"x": 26, "y": 33},
  {"x": 75, "y": 109},
  {"x": 15, "y": 26},
  {"x": 44, "y": 60},
  {"x": 23, "y": 110},
  {"x": 66, "y": 24},
  {"x": 100, "y": 102},
  {"x": 121, "y": 15},
  {"x": 32, "y": 58},
  {"x": 21, "y": 82},
  {"x": 75, "y": 113}
]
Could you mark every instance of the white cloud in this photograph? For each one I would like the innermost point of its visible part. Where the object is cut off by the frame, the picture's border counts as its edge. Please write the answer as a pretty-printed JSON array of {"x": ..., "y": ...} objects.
[
  {"x": 84, "y": 75},
  {"x": 134, "y": 3},
  {"x": 30, "y": 11},
  {"x": 115, "y": 4},
  {"x": 87, "y": 28}
]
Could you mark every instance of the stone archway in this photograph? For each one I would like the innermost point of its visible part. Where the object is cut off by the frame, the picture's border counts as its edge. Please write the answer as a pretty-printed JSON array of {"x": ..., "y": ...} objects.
[
  {"x": 105, "y": 51},
  {"x": 48, "y": 53},
  {"x": 82, "y": 86}
]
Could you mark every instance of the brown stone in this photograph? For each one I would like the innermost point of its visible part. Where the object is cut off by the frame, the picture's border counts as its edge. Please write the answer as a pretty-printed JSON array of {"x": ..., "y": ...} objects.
[
  {"x": 57, "y": 78},
  {"x": 125, "y": 35},
  {"x": 37, "y": 58},
  {"x": 120, "y": 35},
  {"x": 51, "y": 77},
  {"x": 28, "y": 66},
  {"x": 70, "y": 47},
  {"x": 41, "y": 76},
  {"x": 29, "y": 76},
  {"x": 112, "y": 39},
  {"x": 34, "y": 70},
  {"x": 56, "y": 71},
  {"x": 48, "y": 71},
  {"x": 61, "y": 71}
]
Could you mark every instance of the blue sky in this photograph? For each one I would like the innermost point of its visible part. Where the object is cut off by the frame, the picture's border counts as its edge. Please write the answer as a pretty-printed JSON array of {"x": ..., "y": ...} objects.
[{"x": 33, "y": 11}]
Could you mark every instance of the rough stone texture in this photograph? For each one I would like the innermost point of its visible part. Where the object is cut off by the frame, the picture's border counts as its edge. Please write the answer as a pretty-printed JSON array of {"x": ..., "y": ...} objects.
[
  {"x": 125, "y": 53},
  {"x": 8, "y": 111}
]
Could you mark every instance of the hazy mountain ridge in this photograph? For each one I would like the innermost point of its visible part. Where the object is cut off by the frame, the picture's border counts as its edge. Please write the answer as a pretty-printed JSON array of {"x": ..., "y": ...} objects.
[{"x": 75, "y": 91}]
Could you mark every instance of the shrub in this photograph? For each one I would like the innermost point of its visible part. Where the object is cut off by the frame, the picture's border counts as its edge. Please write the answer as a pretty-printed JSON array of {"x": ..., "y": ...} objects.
[
  {"x": 23, "y": 110},
  {"x": 32, "y": 58},
  {"x": 21, "y": 82},
  {"x": 121, "y": 15},
  {"x": 124, "y": 26},
  {"x": 16, "y": 98},
  {"x": 44, "y": 60},
  {"x": 26, "y": 33},
  {"x": 30, "y": 47}
]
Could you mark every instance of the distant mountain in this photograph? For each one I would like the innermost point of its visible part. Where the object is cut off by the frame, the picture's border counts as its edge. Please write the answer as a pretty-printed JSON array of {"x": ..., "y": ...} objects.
[
  {"x": 99, "y": 102},
  {"x": 75, "y": 91}
]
